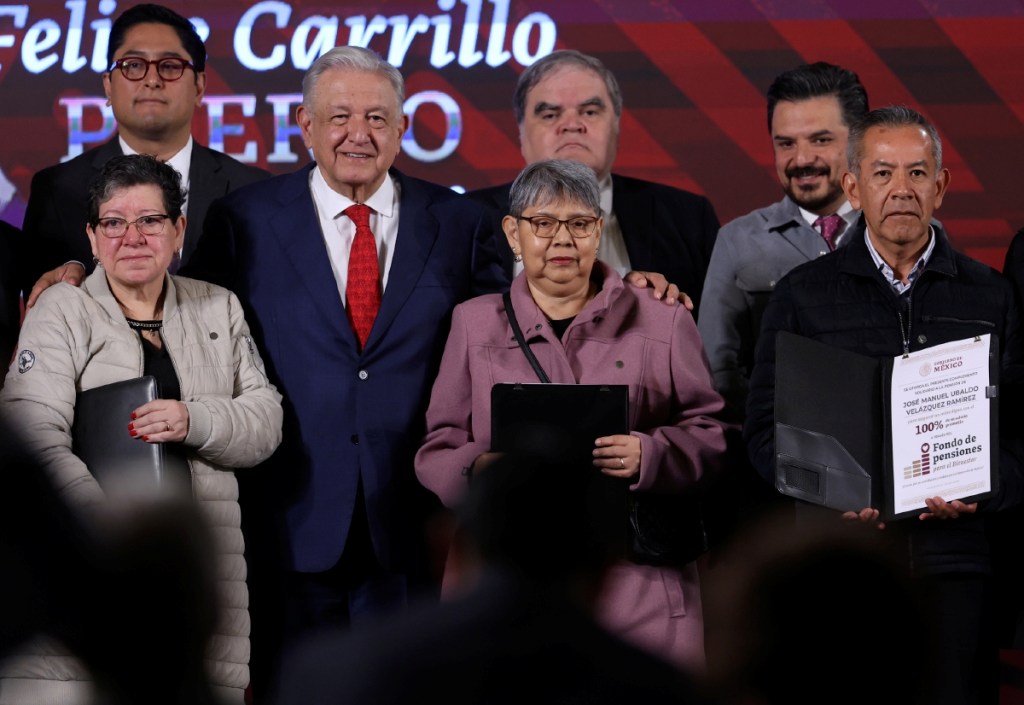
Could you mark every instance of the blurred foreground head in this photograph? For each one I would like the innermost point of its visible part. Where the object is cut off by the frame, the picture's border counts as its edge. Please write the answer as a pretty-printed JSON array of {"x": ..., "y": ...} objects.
[
  {"x": 130, "y": 594},
  {"x": 538, "y": 512},
  {"x": 814, "y": 614}
]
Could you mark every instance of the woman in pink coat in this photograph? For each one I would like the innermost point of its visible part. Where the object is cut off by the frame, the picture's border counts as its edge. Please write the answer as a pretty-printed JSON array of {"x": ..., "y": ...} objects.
[{"x": 586, "y": 327}]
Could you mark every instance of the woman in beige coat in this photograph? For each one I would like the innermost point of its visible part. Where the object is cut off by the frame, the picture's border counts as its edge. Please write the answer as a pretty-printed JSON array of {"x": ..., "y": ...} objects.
[{"x": 217, "y": 408}]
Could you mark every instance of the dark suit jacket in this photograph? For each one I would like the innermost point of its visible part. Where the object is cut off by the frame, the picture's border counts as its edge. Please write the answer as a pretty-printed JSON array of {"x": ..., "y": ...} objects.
[
  {"x": 351, "y": 417},
  {"x": 1013, "y": 266},
  {"x": 55, "y": 219},
  {"x": 666, "y": 229},
  {"x": 10, "y": 310}
]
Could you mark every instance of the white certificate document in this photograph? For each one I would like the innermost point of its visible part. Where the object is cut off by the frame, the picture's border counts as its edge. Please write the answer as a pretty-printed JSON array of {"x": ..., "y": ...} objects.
[{"x": 941, "y": 424}]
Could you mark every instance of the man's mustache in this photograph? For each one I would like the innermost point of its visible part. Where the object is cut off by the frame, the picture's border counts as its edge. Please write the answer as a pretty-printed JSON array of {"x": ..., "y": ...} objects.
[{"x": 798, "y": 172}]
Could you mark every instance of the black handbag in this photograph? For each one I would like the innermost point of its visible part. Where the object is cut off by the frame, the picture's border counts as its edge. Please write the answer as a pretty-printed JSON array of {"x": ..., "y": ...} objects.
[
  {"x": 662, "y": 529},
  {"x": 665, "y": 529}
]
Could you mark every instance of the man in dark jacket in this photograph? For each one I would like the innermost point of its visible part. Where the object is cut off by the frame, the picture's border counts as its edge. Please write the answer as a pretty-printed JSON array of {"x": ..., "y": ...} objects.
[
  {"x": 567, "y": 106},
  {"x": 899, "y": 287},
  {"x": 156, "y": 80}
]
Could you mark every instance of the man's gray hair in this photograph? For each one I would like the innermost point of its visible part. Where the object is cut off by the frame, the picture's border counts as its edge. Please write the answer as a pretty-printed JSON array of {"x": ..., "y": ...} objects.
[
  {"x": 566, "y": 58},
  {"x": 352, "y": 59},
  {"x": 552, "y": 180},
  {"x": 892, "y": 116}
]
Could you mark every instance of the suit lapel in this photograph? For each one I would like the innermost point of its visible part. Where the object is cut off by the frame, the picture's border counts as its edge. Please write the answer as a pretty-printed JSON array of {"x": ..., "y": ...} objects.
[
  {"x": 105, "y": 152},
  {"x": 635, "y": 213},
  {"x": 206, "y": 182},
  {"x": 417, "y": 233},
  {"x": 296, "y": 226},
  {"x": 797, "y": 235},
  {"x": 809, "y": 247}
]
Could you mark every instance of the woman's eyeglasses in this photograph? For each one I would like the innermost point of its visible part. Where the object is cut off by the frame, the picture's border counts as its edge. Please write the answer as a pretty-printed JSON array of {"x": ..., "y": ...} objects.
[
  {"x": 545, "y": 226},
  {"x": 150, "y": 225}
]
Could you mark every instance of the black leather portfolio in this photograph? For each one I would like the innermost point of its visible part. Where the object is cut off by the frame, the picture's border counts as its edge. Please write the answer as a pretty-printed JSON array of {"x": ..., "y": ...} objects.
[
  {"x": 119, "y": 461},
  {"x": 529, "y": 416},
  {"x": 580, "y": 413},
  {"x": 833, "y": 426}
]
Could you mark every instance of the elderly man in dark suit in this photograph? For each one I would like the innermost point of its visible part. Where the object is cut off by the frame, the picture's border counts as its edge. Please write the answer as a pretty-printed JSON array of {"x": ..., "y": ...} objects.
[
  {"x": 349, "y": 271},
  {"x": 568, "y": 106},
  {"x": 155, "y": 82}
]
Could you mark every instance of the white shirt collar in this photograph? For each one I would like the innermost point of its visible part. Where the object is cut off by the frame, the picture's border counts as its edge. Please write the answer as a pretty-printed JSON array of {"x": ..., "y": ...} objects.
[
  {"x": 890, "y": 274},
  {"x": 845, "y": 211},
  {"x": 606, "y": 195},
  {"x": 382, "y": 201},
  {"x": 180, "y": 162}
]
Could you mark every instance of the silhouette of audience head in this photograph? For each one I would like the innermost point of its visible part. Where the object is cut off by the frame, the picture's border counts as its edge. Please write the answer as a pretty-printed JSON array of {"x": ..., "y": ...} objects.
[
  {"x": 540, "y": 512},
  {"x": 129, "y": 592},
  {"x": 815, "y": 613}
]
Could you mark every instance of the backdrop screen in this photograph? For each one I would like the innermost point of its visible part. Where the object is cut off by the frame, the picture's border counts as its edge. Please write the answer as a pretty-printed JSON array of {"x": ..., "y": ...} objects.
[{"x": 693, "y": 75}]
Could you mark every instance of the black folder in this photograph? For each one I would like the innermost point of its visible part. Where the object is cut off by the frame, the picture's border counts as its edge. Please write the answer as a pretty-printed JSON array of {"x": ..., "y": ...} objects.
[
  {"x": 118, "y": 461},
  {"x": 528, "y": 416},
  {"x": 580, "y": 412},
  {"x": 833, "y": 436}
]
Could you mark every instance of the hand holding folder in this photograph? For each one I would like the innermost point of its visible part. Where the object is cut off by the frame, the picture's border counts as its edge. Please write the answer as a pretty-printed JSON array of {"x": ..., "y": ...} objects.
[
  {"x": 835, "y": 430},
  {"x": 119, "y": 462}
]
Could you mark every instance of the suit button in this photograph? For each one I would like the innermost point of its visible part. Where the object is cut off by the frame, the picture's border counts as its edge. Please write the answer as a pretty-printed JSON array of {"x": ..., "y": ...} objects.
[
  {"x": 355, "y": 439},
  {"x": 922, "y": 339},
  {"x": 363, "y": 374}
]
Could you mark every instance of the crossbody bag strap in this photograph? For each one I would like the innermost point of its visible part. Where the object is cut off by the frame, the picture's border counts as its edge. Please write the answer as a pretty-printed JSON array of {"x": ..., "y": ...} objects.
[{"x": 523, "y": 345}]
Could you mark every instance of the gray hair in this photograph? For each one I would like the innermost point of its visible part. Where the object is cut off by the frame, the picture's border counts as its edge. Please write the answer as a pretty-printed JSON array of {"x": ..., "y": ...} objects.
[
  {"x": 351, "y": 59},
  {"x": 892, "y": 116},
  {"x": 557, "y": 60},
  {"x": 552, "y": 180},
  {"x": 128, "y": 170}
]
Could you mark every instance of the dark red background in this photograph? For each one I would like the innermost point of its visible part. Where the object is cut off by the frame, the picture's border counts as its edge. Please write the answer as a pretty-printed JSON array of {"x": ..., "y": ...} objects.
[{"x": 693, "y": 76}]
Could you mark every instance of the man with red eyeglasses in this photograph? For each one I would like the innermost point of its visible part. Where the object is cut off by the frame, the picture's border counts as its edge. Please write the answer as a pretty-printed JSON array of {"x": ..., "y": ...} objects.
[{"x": 155, "y": 83}]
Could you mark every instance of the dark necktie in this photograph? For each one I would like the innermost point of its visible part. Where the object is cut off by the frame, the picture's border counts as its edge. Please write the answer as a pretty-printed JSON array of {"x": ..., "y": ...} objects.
[
  {"x": 828, "y": 226},
  {"x": 362, "y": 292}
]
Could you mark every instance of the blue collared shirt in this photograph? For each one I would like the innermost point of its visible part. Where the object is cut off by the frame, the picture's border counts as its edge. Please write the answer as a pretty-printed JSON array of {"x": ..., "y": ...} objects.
[{"x": 890, "y": 275}]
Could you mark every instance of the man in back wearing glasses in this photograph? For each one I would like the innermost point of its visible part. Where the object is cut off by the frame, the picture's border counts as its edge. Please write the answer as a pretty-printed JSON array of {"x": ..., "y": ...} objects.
[{"x": 155, "y": 82}]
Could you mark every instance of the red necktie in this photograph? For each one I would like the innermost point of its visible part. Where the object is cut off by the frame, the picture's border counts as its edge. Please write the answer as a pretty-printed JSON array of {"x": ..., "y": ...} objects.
[
  {"x": 829, "y": 225},
  {"x": 362, "y": 292}
]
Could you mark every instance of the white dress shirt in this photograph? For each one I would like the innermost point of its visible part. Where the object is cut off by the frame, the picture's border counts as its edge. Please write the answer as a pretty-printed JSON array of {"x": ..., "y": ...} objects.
[
  {"x": 338, "y": 229},
  {"x": 180, "y": 162}
]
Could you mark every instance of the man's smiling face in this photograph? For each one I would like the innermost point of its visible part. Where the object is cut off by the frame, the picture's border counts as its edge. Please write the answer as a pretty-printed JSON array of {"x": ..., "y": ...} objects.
[
  {"x": 354, "y": 127},
  {"x": 809, "y": 142}
]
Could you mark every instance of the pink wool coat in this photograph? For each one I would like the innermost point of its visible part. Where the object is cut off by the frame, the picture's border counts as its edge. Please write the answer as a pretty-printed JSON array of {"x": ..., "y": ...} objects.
[{"x": 622, "y": 336}]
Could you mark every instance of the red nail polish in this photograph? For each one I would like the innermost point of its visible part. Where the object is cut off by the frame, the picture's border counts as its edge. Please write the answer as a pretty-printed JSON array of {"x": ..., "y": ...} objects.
[
  {"x": 133, "y": 432},
  {"x": 131, "y": 427},
  {"x": 133, "y": 416},
  {"x": 145, "y": 438}
]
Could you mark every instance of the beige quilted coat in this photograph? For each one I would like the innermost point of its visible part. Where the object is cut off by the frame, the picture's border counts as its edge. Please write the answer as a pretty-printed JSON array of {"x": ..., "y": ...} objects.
[{"x": 75, "y": 339}]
